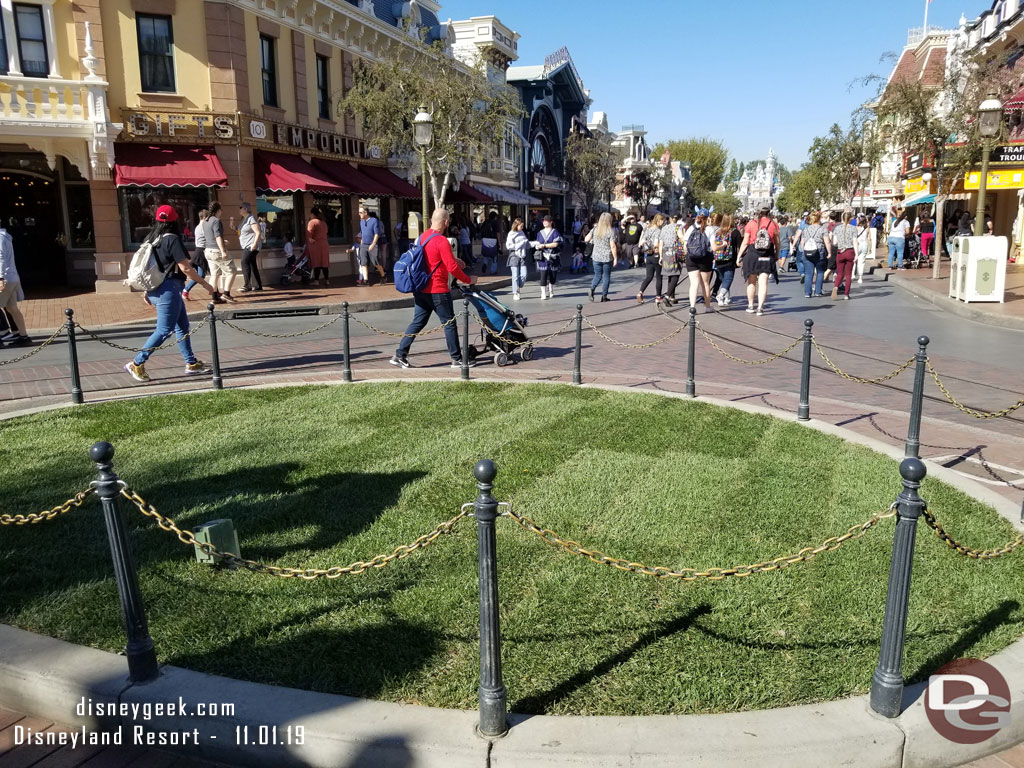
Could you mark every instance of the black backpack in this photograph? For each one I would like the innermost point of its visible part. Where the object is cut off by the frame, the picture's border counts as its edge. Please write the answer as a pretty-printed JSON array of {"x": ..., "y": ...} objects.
[{"x": 697, "y": 244}]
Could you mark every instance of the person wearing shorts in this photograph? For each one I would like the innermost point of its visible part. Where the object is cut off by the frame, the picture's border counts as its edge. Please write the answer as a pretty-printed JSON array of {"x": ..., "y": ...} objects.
[
  {"x": 699, "y": 268},
  {"x": 222, "y": 267},
  {"x": 371, "y": 233},
  {"x": 758, "y": 263}
]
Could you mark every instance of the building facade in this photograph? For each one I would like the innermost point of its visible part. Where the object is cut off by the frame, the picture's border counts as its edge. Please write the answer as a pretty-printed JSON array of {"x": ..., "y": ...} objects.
[{"x": 759, "y": 187}]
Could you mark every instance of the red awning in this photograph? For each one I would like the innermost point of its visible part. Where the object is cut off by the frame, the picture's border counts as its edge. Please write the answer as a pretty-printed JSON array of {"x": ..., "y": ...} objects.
[
  {"x": 467, "y": 194},
  {"x": 140, "y": 165},
  {"x": 280, "y": 172},
  {"x": 1016, "y": 103},
  {"x": 352, "y": 179},
  {"x": 399, "y": 186}
]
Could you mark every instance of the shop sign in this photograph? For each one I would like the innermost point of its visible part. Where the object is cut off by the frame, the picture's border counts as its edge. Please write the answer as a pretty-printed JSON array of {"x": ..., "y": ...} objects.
[
  {"x": 1008, "y": 178},
  {"x": 883, "y": 191},
  {"x": 303, "y": 140},
  {"x": 1008, "y": 153},
  {"x": 913, "y": 186},
  {"x": 154, "y": 127},
  {"x": 913, "y": 162},
  {"x": 544, "y": 183}
]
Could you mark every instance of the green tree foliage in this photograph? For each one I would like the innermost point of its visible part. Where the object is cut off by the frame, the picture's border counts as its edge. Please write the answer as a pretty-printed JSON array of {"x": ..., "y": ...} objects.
[
  {"x": 646, "y": 183},
  {"x": 835, "y": 158},
  {"x": 589, "y": 169},
  {"x": 799, "y": 193},
  {"x": 469, "y": 110},
  {"x": 723, "y": 202},
  {"x": 707, "y": 158}
]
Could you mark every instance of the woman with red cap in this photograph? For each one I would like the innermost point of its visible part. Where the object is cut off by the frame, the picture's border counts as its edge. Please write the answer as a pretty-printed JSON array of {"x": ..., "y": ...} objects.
[{"x": 171, "y": 316}]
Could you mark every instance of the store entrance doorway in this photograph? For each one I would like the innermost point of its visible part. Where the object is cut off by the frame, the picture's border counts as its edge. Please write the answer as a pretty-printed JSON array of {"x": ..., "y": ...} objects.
[{"x": 31, "y": 213}]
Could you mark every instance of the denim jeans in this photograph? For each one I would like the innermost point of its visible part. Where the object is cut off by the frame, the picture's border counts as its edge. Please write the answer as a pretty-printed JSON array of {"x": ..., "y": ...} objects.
[
  {"x": 518, "y": 277},
  {"x": 897, "y": 246},
  {"x": 426, "y": 304},
  {"x": 801, "y": 265},
  {"x": 814, "y": 272},
  {"x": 784, "y": 257},
  {"x": 171, "y": 317},
  {"x": 602, "y": 276},
  {"x": 723, "y": 279},
  {"x": 192, "y": 283}
]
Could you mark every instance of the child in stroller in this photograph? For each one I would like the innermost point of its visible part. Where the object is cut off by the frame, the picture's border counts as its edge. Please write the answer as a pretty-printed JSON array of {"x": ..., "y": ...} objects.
[
  {"x": 295, "y": 269},
  {"x": 504, "y": 331}
]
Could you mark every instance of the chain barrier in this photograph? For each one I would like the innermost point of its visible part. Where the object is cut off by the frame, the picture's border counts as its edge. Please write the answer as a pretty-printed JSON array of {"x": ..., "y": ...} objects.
[
  {"x": 661, "y": 309},
  {"x": 965, "y": 409},
  {"x": 169, "y": 343},
  {"x": 624, "y": 345},
  {"x": 241, "y": 329},
  {"x": 37, "y": 350},
  {"x": 962, "y": 549},
  {"x": 39, "y": 517},
  {"x": 528, "y": 342},
  {"x": 762, "y": 361},
  {"x": 381, "y": 331},
  {"x": 308, "y": 574},
  {"x": 691, "y": 574},
  {"x": 858, "y": 379}
]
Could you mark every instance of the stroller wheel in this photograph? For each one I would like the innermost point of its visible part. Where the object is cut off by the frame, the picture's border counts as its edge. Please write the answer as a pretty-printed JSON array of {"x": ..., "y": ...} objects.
[
  {"x": 501, "y": 359},
  {"x": 526, "y": 353}
]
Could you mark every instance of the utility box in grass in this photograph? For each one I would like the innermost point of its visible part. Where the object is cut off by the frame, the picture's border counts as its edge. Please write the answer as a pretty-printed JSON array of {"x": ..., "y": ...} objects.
[
  {"x": 978, "y": 268},
  {"x": 219, "y": 534}
]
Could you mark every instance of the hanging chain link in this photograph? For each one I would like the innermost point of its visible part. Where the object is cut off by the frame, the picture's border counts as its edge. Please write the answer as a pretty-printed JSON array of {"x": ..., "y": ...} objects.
[
  {"x": 763, "y": 361},
  {"x": 241, "y": 329},
  {"x": 858, "y": 379},
  {"x": 308, "y": 574},
  {"x": 528, "y": 342},
  {"x": 381, "y": 331},
  {"x": 971, "y": 552},
  {"x": 169, "y": 343},
  {"x": 965, "y": 409},
  {"x": 37, "y": 350},
  {"x": 624, "y": 345},
  {"x": 39, "y": 517},
  {"x": 691, "y": 574}
]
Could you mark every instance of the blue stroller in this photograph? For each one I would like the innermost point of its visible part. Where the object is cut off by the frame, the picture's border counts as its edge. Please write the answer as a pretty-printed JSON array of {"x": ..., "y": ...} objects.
[{"x": 504, "y": 332}]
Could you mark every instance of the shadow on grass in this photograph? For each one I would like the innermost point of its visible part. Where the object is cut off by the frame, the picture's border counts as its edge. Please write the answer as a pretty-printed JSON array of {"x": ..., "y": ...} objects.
[
  {"x": 978, "y": 629},
  {"x": 541, "y": 702}
]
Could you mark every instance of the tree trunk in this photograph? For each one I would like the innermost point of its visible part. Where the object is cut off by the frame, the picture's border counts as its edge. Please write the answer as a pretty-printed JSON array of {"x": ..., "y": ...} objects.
[{"x": 940, "y": 204}]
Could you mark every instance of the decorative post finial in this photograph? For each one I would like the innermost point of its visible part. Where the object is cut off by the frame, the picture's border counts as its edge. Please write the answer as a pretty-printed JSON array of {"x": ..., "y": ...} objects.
[{"x": 89, "y": 61}]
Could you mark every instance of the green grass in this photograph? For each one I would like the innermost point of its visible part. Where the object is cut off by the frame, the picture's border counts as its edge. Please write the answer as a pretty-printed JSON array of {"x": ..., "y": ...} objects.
[{"x": 324, "y": 476}]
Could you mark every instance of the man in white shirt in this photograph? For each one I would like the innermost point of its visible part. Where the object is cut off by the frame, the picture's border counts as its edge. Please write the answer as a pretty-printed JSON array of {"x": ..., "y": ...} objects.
[{"x": 10, "y": 292}]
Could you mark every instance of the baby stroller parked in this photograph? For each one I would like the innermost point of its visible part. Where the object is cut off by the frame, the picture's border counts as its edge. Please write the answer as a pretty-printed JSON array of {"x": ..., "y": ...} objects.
[
  {"x": 504, "y": 331},
  {"x": 297, "y": 269}
]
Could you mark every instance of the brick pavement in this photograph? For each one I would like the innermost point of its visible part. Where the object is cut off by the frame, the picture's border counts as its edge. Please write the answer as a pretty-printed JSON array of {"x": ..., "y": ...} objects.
[{"x": 920, "y": 282}]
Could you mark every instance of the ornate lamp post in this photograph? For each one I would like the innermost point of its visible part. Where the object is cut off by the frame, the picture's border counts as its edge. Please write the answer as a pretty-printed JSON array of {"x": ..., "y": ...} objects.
[
  {"x": 817, "y": 199},
  {"x": 423, "y": 132},
  {"x": 864, "y": 172},
  {"x": 990, "y": 118}
]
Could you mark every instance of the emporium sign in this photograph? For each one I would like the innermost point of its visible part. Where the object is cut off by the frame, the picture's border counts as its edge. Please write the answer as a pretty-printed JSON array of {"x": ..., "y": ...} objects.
[{"x": 187, "y": 127}]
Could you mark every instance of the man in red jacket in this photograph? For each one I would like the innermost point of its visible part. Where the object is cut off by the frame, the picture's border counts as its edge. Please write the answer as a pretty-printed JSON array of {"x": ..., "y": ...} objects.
[{"x": 436, "y": 297}]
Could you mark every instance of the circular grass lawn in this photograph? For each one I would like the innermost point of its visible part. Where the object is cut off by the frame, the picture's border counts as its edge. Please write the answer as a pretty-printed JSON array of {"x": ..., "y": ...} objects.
[{"x": 323, "y": 476}]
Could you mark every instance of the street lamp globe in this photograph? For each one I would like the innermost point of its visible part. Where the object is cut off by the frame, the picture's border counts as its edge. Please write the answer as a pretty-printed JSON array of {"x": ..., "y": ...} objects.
[
  {"x": 990, "y": 116},
  {"x": 864, "y": 170},
  {"x": 423, "y": 127},
  {"x": 926, "y": 177}
]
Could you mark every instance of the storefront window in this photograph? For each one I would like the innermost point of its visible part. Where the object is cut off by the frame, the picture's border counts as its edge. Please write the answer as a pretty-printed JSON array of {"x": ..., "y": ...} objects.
[
  {"x": 79, "y": 216},
  {"x": 337, "y": 213},
  {"x": 278, "y": 211},
  {"x": 139, "y": 204}
]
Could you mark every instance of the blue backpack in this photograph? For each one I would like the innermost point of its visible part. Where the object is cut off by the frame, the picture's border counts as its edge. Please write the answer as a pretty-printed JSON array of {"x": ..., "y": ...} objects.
[{"x": 411, "y": 273}]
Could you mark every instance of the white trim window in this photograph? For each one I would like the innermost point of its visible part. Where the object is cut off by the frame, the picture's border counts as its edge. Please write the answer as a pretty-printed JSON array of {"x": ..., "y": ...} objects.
[{"x": 28, "y": 40}]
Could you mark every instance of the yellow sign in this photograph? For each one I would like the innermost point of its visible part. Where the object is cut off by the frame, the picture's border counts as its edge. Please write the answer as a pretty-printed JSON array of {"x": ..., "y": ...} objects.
[
  {"x": 915, "y": 185},
  {"x": 153, "y": 127},
  {"x": 1004, "y": 178}
]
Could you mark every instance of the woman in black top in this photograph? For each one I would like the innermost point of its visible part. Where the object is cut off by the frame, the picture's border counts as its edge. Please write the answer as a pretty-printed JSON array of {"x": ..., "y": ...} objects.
[{"x": 171, "y": 316}]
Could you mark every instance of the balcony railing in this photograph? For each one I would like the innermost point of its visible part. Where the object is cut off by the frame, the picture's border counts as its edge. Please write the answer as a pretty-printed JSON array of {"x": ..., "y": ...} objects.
[{"x": 45, "y": 100}]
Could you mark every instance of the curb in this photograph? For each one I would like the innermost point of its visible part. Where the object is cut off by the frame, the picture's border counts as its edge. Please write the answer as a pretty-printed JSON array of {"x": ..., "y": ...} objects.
[
  {"x": 49, "y": 677},
  {"x": 957, "y": 307}
]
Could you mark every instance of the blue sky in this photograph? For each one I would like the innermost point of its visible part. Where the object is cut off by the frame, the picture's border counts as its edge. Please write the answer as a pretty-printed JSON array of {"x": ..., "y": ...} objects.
[{"x": 705, "y": 59}]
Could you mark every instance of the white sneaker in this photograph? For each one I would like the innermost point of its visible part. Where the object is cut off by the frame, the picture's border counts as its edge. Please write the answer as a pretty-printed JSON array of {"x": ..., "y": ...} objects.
[
  {"x": 551, "y": 292},
  {"x": 860, "y": 280},
  {"x": 751, "y": 310},
  {"x": 515, "y": 297}
]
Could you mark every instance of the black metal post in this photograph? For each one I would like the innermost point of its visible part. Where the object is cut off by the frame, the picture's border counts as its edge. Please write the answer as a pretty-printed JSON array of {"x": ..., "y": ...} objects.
[
  {"x": 913, "y": 446},
  {"x": 142, "y": 665},
  {"x": 691, "y": 386},
  {"x": 346, "y": 372},
  {"x": 218, "y": 381},
  {"x": 577, "y": 374},
  {"x": 887, "y": 682},
  {"x": 465, "y": 339},
  {"x": 803, "y": 411},
  {"x": 492, "y": 693},
  {"x": 76, "y": 382}
]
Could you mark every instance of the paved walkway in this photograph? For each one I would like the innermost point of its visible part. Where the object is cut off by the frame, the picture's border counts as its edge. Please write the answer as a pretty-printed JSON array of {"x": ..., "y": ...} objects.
[{"x": 1009, "y": 314}]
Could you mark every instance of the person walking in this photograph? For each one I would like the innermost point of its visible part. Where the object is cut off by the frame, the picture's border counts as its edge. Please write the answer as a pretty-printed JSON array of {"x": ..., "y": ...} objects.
[
  {"x": 786, "y": 231},
  {"x": 548, "y": 256},
  {"x": 11, "y": 292},
  {"x": 517, "y": 244},
  {"x": 171, "y": 316},
  {"x": 489, "y": 243},
  {"x": 316, "y": 246},
  {"x": 844, "y": 243},
  {"x": 199, "y": 262},
  {"x": 370, "y": 233},
  {"x": 652, "y": 258},
  {"x": 876, "y": 224},
  {"x": 436, "y": 295},
  {"x": 813, "y": 242},
  {"x": 724, "y": 244},
  {"x": 757, "y": 253},
  {"x": 670, "y": 255},
  {"x": 897, "y": 241},
  {"x": 631, "y": 233},
  {"x": 699, "y": 259},
  {"x": 863, "y": 247},
  {"x": 250, "y": 238},
  {"x": 926, "y": 229},
  {"x": 223, "y": 269},
  {"x": 605, "y": 255}
]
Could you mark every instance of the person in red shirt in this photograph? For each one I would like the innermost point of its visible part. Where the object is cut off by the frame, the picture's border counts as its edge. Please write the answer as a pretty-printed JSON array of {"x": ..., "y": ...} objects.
[
  {"x": 759, "y": 264},
  {"x": 436, "y": 297}
]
